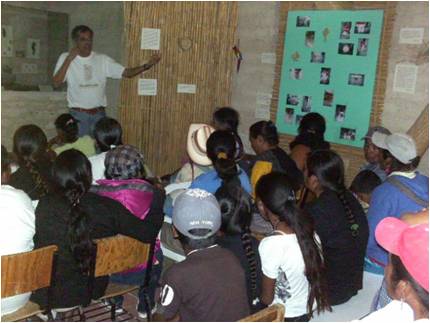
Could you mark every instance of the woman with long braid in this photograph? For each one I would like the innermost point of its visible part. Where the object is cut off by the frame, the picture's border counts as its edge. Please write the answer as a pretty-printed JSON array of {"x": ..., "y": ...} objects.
[
  {"x": 340, "y": 223},
  {"x": 70, "y": 217},
  {"x": 234, "y": 234},
  {"x": 30, "y": 146},
  {"x": 292, "y": 263}
]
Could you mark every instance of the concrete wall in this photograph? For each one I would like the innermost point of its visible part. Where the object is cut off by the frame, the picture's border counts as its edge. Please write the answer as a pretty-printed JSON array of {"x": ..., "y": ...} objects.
[{"x": 257, "y": 33}]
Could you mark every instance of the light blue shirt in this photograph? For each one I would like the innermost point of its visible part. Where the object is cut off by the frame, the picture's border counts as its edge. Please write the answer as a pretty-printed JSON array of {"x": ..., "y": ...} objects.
[{"x": 210, "y": 181}]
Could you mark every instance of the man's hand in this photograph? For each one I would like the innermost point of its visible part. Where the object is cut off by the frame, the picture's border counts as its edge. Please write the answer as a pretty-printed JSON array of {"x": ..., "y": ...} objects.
[
  {"x": 73, "y": 53},
  {"x": 133, "y": 71},
  {"x": 154, "y": 59}
]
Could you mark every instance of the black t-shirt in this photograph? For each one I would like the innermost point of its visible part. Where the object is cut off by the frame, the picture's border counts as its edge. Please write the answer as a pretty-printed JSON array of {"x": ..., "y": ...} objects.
[
  {"x": 209, "y": 285},
  {"x": 235, "y": 245},
  {"x": 22, "y": 179},
  {"x": 343, "y": 254},
  {"x": 107, "y": 217}
]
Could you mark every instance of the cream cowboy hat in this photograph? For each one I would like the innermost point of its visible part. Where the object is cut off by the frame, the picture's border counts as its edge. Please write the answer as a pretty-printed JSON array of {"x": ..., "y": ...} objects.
[{"x": 198, "y": 134}]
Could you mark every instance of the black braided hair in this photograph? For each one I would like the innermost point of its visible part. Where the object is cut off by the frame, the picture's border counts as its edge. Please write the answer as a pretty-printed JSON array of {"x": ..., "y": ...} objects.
[{"x": 328, "y": 167}]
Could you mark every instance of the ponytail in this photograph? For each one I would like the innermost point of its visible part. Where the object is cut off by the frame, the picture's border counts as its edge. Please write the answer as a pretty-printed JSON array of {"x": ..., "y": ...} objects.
[
  {"x": 252, "y": 261},
  {"x": 39, "y": 182}
]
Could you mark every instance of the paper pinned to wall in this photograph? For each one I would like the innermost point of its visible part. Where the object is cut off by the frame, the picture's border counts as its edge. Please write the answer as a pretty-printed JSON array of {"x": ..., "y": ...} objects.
[
  {"x": 268, "y": 58},
  {"x": 6, "y": 41},
  {"x": 186, "y": 88},
  {"x": 147, "y": 87},
  {"x": 262, "y": 109},
  {"x": 411, "y": 36},
  {"x": 150, "y": 38},
  {"x": 405, "y": 78}
]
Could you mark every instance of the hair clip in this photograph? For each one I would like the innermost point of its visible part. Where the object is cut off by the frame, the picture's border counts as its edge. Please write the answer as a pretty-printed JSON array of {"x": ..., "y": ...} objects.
[
  {"x": 292, "y": 196},
  {"x": 112, "y": 146},
  {"x": 221, "y": 155},
  {"x": 70, "y": 121}
]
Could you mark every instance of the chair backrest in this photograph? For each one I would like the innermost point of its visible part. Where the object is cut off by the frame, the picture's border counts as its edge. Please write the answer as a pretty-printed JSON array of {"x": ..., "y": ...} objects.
[
  {"x": 27, "y": 271},
  {"x": 119, "y": 253},
  {"x": 273, "y": 313}
]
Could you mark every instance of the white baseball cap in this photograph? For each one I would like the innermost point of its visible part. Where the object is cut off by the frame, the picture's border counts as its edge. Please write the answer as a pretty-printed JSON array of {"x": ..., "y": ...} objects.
[{"x": 400, "y": 145}]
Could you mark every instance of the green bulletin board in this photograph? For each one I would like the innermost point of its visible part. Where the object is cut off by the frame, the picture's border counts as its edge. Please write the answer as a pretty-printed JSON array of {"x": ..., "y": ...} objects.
[{"x": 329, "y": 66}]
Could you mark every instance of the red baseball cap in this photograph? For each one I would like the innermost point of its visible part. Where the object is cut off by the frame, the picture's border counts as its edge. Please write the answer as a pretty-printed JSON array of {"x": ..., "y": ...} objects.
[{"x": 410, "y": 243}]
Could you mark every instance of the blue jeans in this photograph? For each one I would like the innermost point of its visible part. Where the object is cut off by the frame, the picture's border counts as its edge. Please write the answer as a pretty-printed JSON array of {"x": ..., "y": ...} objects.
[
  {"x": 138, "y": 278},
  {"x": 87, "y": 121}
]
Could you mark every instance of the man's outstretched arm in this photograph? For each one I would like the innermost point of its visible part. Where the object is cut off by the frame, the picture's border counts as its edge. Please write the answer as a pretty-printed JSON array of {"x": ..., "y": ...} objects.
[{"x": 133, "y": 71}]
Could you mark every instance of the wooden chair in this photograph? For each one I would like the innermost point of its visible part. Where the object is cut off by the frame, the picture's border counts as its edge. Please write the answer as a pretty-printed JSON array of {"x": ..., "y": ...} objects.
[
  {"x": 26, "y": 272},
  {"x": 273, "y": 313},
  {"x": 116, "y": 254}
]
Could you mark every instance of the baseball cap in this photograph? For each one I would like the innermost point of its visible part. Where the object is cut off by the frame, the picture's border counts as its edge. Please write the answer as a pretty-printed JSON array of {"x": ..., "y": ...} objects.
[
  {"x": 400, "y": 145},
  {"x": 198, "y": 134},
  {"x": 372, "y": 130},
  {"x": 196, "y": 209},
  {"x": 410, "y": 243},
  {"x": 124, "y": 162}
]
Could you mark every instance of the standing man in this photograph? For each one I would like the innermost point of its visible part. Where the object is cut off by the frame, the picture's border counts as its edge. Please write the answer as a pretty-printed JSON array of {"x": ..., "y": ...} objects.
[{"x": 86, "y": 72}]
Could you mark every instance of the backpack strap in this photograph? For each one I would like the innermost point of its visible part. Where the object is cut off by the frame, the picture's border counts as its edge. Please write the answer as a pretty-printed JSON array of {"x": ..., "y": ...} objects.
[{"x": 407, "y": 191}]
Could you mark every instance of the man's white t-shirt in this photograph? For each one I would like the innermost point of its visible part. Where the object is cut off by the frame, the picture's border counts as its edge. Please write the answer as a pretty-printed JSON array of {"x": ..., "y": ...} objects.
[
  {"x": 86, "y": 79},
  {"x": 17, "y": 229},
  {"x": 282, "y": 259}
]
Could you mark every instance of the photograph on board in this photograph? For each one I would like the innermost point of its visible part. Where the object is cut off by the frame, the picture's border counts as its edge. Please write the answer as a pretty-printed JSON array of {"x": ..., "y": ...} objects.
[
  {"x": 317, "y": 57},
  {"x": 292, "y": 99},
  {"x": 328, "y": 98},
  {"x": 356, "y": 79},
  {"x": 306, "y": 104},
  {"x": 347, "y": 134},
  {"x": 289, "y": 115},
  {"x": 345, "y": 32},
  {"x": 345, "y": 49},
  {"x": 303, "y": 21},
  {"x": 340, "y": 113},
  {"x": 325, "y": 75}
]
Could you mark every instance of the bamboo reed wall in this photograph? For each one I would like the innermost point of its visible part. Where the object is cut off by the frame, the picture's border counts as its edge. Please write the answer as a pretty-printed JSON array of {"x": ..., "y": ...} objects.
[
  {"x": 420, "y": 131},
  {"x": 353, "y": 157},
  {"x": 158, "y": 124}
]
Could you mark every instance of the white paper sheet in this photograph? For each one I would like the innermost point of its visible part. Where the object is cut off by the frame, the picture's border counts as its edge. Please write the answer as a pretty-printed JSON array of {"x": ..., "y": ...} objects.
[
  {"x": 262, "y": 109},
  {"x": 147, "y": 87},
  {"x": 150, "y": 38},
  {"x": 405, "y": 78},
  {"x": 411, "y": 36},
  {"x": 264, "y": 98},
  {"x": 186, "y": 88},
  {"x": 268, "y": 58}
]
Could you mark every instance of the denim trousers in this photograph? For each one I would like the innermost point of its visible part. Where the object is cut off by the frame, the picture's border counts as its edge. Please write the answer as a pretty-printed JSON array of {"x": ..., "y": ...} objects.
[
  {"x": 87, "y": 121},
  {"x": 138, "y": 278}
]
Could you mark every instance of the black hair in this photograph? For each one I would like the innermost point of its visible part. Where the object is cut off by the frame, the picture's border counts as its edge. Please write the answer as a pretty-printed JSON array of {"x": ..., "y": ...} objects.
[
  {"x": 30, "y": 146},
  {"x": 107, "y": 132},
  {"x": 328, "y": 167},
  {"x": 80, "y": 29},
  {"x": 397, "y": 166},
  {"x": 72, "y": 176},
  {"x": 365, "y": 182},
  {"x": 227, "y": 117},
  {"x": 311, "y": 132},
  {"x": 195, "y": 244},
  {"x": 221, "y": 150},
  {"x": 267, "y": 130},
  {"x": 400, "y": 273},
  {"x": 236, "y": 216},
  {"x": 69, "y": 125},
  {"x": 275, "y": 193},
  {"x": 5, "y": 161}
]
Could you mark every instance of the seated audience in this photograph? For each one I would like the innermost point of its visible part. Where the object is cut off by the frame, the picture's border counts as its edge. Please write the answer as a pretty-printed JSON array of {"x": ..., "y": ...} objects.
[
  {"x": 70, "y": 217},
  {"x": 373, "y": 154},
  {"x": 340, "y": 223},
  {"x": 125, "y": 183},
  {"x": 209, "y": 285},
  {"x": 221, "y": 150},
  {"x": 407, "y": 271},
  {"x": 292, "y": 264},
  {"x": 108, "y": 135},
  {"x": 67, "y": 136},
  {"x": 34, "y": 173},
  {"x": 405, "y": 190},
  {"x": 235, "y": 235},
  {"x": 311, "y": 137},
  {"x": 16, "y": 228},
  {"x": 264, "y": 139},
  {"x": 363, "y": 185}
]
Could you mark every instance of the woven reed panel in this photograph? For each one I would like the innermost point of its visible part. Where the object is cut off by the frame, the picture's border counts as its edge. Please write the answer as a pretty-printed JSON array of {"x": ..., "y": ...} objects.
[
  {"x": 353, "y": 157},
  {"x": 420, "y": 131},
  {"x": 158, "y": 125}
]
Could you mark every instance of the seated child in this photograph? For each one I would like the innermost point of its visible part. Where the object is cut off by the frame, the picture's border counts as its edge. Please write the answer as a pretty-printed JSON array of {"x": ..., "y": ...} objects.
[
  {"x": 363, "y": 185},
  {"x": 209, "y": 285},
  {"x": 67, "y": 136}
]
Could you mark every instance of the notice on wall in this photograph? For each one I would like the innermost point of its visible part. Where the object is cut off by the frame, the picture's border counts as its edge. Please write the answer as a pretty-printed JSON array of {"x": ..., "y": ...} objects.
[
  {"x": 411, "y": 36},
  {"x": 147, "y": 87},
  {"x": 268, "y": 58},
  {"x": 33, "y": 48},
  {"x": 150, "y": 38},
  {"x": 6, "y": 41},
  {"x": 186, "y": 88},
  {"x": 262, "y": 109},
  {"x": 405, "y": 78}
]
